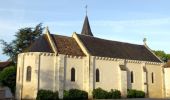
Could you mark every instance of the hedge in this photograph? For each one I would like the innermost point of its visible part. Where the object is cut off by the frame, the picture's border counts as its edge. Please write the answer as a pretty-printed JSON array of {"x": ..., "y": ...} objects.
[
  {"x": 100, "y": 94},
  {"x": 103, "y": 94},
  {"x": 114, "y": 94},
  {"x": 47, "y": 95},
  {"x": 132, "y": 93},
  {"x": 75, "y": 94}
]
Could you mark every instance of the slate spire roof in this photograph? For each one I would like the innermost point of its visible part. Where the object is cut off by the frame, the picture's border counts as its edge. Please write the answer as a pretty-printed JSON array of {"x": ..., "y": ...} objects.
[{"x": 86, "y": 30}]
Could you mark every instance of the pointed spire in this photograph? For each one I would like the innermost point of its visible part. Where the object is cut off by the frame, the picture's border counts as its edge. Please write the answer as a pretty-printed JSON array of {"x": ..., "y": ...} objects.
[{"x": 86, "y": 27}]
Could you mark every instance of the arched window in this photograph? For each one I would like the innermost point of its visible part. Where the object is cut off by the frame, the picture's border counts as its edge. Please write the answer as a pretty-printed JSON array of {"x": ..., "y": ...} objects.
[
  {"x": 73, "y": 74},
  {"x": 97, "y": 75},
  {"x": 152, "y": 76},
  {"x": 131, "y": 76},
  {"x": 28, "y": 77}
]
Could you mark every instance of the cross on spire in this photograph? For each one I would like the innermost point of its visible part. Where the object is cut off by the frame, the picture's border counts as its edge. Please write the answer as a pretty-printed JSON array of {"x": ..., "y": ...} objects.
[{"x": 86, "y": 9}]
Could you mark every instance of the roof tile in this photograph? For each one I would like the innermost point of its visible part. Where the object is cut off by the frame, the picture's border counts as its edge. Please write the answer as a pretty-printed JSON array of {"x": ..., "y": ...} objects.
[{"x": 114, "y": 49}]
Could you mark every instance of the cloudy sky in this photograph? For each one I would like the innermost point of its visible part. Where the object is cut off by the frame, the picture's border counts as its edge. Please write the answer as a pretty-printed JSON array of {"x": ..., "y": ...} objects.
[{"x": 120, "y": 20}]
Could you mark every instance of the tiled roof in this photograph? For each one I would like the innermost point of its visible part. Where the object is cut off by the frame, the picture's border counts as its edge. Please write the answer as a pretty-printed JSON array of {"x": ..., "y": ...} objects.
[
  {"x": 167, "y": 65},
  {"x": 4, "y": 64},
  {"x": 40, "y": 45},
  {"x": 114, "y": 49},
  {"x": 67, "y": 45}
]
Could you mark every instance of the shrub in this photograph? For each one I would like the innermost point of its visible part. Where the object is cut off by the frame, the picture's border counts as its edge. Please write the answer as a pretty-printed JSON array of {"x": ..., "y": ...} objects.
[
  {"x": 47, "y": 95},
  {"x": 66, "y": 95},
  {"x": 131, "y": 93},
  {"x": 100, "y": 94},
  {"x": 75, "y": 94},
  {"x": 114, "y": 94},
  {"x": 140, "y": 94},
  {"x": 8, "y": 77},
  {"x": 135, "y": 93},
  {"x": 56, "y": 95}
]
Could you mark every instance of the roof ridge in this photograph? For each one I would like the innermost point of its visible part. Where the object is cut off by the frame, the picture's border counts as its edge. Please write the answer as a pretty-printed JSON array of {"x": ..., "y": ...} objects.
[
  {"x": 61, "y": 35},
  {"x": 111, "y": 40}
]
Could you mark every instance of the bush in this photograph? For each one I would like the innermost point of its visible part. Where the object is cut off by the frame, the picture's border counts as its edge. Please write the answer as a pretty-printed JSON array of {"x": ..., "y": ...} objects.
[
  {"x": 100, "y": 94},
  {"x": 135, "y": 94},
  {"x": 131, "y": 93},
  {"x": 75, "y": 94},
  {"x": 47, "y": 95},
  {"x": 114, "y": 94},
  {"x": 103, "y": 94},
  {"x": 140, "y": 94},
  {"x": 8, "y": 77}
]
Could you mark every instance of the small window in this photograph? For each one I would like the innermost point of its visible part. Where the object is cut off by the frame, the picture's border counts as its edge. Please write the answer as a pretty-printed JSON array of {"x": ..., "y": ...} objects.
[
  {"x": 152, "y": 76},
  {"x": 73, "y": 75},
  {"x": 28, "y": 77},
  {"x": 97, "y": 75},
  {"x": 131, "y": 76}
]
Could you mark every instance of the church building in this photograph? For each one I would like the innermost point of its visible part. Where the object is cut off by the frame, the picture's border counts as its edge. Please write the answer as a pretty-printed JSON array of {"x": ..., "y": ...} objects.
[{"x": 83, "y": 61}]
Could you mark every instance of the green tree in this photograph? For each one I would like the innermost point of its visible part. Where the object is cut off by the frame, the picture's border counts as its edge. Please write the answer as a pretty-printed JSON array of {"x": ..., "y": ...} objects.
[
  {"x": 8, "y": 77},
  {"x": 23, "y": 39},
  {"x": 162, "y": 55},
  {"x": 168, "y": 56}
]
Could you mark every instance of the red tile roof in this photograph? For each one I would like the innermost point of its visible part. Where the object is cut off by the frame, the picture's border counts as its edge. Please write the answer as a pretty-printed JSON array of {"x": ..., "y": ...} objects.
[
  {"x": 4, "y": 64},
  {"x": 167, "y": 64},
  {"x": 65, "y": 45}
]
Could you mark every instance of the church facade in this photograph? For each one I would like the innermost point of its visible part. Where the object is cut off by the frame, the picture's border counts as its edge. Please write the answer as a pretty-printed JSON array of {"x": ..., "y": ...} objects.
[{"x": 82, "y": 61}]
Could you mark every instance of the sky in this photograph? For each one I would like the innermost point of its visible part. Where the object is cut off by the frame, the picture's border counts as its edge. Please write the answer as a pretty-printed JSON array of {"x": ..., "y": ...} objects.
[{"x": 119, "y": 20}]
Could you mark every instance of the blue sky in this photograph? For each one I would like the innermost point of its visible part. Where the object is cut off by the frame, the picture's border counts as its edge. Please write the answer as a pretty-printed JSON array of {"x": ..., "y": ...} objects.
[{"x": 120, "y": 20}]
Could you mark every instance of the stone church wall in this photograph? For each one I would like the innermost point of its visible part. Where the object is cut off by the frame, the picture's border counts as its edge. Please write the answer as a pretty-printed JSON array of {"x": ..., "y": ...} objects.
[
  {"x": 77, "y": 64},
  {"x": 155, "y": 89},
  {"x": 46, "y": 76},
  {"x": 23, "y": 86},
  {"x": 112, "y": 74},
  {"x": 19, "y": 76},
  {"x": 137, "y": 70},
  {"x": 167, "y": 82},
  {"x": 29, "y": 60},
  {"x": 39, "y": 62},
  {"x": 52, "y": 72},
  {"x": 109, "y": 74}
]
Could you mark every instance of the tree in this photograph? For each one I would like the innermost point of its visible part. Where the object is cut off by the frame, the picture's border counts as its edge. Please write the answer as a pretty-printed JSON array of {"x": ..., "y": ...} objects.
[
  {"x": 24, "y": 38},
  {"x": 168, "y": 56},
  {"x": 8, "y": 77},
  {"x": 162, "y": 55}
]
